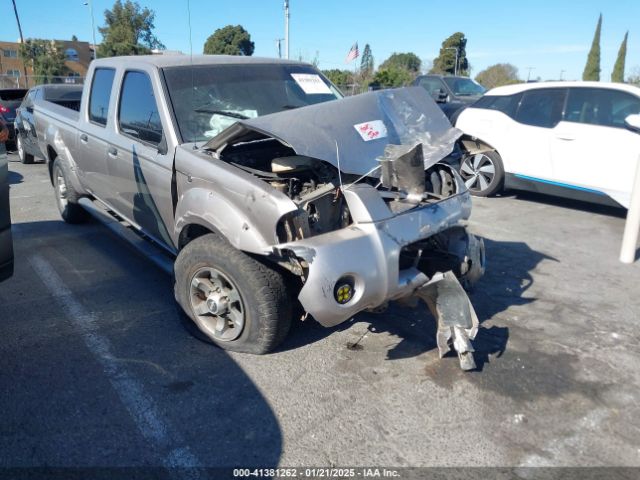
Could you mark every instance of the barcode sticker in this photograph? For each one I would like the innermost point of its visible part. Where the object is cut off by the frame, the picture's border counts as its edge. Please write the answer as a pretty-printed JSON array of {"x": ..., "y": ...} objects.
[{"x": 372, "y": 130}]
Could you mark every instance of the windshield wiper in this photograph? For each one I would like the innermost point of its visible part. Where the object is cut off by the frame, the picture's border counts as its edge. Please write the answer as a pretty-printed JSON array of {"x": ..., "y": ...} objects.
[
  {"x": 225, "y": 113},
  {"x": 291, "y": 107}
]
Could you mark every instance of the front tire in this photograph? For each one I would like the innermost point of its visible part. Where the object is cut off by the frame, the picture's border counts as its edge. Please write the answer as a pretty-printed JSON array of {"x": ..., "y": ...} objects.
[
  {"x": 237, "y": 302},
  {"x": 22, "y": 155},
  {"x": 483, "y": 173},
  {"x": 66, "y": 196}
]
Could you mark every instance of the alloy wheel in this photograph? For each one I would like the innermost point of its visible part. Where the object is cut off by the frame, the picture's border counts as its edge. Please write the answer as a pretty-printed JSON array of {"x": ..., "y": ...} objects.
[
  {"x": 217, "y": 304},
  {"x": 478, "y": 172}
]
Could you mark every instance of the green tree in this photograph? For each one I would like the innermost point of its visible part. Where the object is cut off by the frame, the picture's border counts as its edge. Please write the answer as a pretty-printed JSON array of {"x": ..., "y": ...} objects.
[
  {"x": 618, "y": 68},
  {"x": 592, "y": 68},
  {"x": 229, "y": 40},
  {"x": 74, "y": 38},
  {"x": 339, "y": 77},
  {"x": 366, "y": 62},
  {"x": 393, "y": 76},
  {"x": 46, "y": 57},
  {"x": 445, "y": 62},
  {"x": 404, "y": 61},
  {"x": 128, "y": 30},
  {"x": 498, "y": 75}
]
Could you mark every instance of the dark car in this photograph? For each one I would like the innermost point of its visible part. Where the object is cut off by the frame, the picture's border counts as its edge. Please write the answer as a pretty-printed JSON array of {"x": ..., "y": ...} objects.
[
  {"x": 10, "y": 99},
  {"x": 25, "y": 130},
  {"x": 6, "y": 244},
  {"x": 452, "y": 93}
]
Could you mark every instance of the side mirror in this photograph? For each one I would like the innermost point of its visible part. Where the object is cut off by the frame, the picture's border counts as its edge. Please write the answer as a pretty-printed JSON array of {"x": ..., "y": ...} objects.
[
  {"x": 632, "y": 122},
  {"x": 440, "y": 96},
  {"x": 162, "y": 146}
]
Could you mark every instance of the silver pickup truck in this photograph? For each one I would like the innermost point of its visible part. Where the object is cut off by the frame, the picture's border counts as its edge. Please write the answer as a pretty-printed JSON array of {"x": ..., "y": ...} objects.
[{"x": 272, "y": 191}]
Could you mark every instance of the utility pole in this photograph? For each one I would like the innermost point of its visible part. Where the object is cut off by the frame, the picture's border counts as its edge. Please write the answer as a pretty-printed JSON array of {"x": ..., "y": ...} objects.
[
  {"x": 529, "y": 74},
  {"x": 93, "y": 28},
  {"x": 279, "y": 46},
  {"x": 455, "y": 66},
  {"x": 286, "y": 29},
  {"x": 24, "y": 65},
  {"x": 561, "y": 72}
]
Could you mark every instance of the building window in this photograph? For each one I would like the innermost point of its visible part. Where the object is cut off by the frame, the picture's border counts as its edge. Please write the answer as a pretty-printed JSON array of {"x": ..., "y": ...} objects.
[
  {"x": 10, "y": 53},
  {"x": 13, "y": 73},
  {"x": 71, "y": 54}
]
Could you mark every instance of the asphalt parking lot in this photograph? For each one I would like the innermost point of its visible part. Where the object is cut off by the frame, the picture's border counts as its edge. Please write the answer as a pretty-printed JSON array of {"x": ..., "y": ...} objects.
[{"x": 96, "y": 368}]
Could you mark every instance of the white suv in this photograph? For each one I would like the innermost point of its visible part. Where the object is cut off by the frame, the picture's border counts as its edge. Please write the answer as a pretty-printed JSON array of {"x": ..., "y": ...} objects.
[{"x": 570, "y": 139}]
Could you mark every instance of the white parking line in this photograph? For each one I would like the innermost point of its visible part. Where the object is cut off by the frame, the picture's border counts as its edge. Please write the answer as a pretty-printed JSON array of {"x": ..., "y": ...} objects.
[{"x": 140, "y": 406}]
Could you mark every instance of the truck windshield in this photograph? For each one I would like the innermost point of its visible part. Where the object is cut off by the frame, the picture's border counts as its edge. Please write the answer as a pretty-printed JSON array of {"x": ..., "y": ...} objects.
[
  {"x": 464, "y": 86},
  {"x": 209, "y": 98}
]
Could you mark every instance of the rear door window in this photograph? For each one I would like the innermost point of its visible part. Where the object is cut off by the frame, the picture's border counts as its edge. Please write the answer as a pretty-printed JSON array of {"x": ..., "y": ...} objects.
[
  {"x": 542, "y": 108},
  {"x": 138, "y": 116},
  {"x": 599, "y": 106},
  {"x": 100, "y": 95}
]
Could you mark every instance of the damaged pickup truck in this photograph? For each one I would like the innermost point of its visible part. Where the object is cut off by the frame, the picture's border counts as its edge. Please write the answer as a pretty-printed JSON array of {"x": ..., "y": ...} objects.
[{"x": 270, "y": 188}]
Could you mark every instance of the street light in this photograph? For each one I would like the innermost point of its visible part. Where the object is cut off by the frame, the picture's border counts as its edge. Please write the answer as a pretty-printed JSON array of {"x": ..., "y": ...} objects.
[
  {"x": 455, "y": 66},
  {"x": 93, "y": 28}
]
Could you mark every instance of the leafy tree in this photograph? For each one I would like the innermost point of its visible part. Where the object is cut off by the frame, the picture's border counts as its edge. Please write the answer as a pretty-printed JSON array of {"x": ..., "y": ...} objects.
[
  {"x": 46, "y": 58},
  {"x": 618, "y": 68},
  {"x": 404, "y": 61},
  {"x": 366, "y": 62},
  {"x": 498, "y": 75},
  {"x": 339, "y": 77},
  {"x": 74, "y": 38},
  {"x": 229, "y": 40},
  {"x": 128, "y": 30},
  {"x": 592, "y": 68},
  {"x": 393, "y": 76},
  {"x": 445, "y": 62}
]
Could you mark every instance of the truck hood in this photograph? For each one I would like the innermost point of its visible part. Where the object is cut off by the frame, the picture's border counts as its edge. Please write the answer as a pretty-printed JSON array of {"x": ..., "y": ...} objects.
[{"x": 351, "y": 133}]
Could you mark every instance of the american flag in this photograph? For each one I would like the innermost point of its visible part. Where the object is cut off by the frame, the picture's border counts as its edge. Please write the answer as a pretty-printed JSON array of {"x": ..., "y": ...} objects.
[{"x": 353, "y": 53}]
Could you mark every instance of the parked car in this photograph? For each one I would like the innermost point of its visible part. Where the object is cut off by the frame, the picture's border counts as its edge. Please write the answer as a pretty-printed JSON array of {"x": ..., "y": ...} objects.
[
  {"x": 265, "y": 185},
  {"x": 563, "y": 138},
  {"x": 451, "y": 93},
  {"x": 6, "y": 244},
  {"x": 25, "y": 132},
  {"x": 10, "y": 98}
]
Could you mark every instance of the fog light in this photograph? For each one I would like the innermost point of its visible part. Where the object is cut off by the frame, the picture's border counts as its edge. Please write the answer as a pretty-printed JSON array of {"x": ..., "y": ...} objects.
[{"x": 343, "y": 291}]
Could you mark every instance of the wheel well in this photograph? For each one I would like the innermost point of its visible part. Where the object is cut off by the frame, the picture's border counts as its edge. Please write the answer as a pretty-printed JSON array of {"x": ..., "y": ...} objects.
[
  {"x": 474, "y": 145},
  {"x": 190, "y": 233},
  {"x": 51, "y": 156}
]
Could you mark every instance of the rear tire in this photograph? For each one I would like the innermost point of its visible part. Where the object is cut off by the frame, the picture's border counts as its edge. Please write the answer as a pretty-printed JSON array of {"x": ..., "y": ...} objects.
[
  {"x": 235, "y": 301},
  {"x": 22, "y": 155},
  {"x": 483, "y": 173},
  {"x": 66, "y": 197}
]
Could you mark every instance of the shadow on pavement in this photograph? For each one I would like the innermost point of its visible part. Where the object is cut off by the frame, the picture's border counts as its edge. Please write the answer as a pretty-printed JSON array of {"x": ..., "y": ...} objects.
[
  {"x": 14, "y": 178},
  {"x": 566, "y": 203},
  {"x": 64, "y": 411}
]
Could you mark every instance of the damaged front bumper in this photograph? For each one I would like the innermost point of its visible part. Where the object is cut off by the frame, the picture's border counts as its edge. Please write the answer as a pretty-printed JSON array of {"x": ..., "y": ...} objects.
[{"x": 367, "y": 257}]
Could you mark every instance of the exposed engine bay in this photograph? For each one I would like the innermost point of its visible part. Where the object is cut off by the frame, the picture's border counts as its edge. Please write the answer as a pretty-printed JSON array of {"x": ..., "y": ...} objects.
[{"x": 314, "y": 185}]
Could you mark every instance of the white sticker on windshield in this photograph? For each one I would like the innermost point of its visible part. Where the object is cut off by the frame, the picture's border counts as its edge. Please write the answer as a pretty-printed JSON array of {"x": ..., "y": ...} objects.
[
  {"x": 371, "y": 130},
  {"x": 310, "y": 83}
]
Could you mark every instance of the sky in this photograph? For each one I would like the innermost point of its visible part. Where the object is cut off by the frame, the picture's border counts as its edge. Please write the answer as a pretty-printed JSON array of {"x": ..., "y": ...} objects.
[{"x": 549, "y": 39}]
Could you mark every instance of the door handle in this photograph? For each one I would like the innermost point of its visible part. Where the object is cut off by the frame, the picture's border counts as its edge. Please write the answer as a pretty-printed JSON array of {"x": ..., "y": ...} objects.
[
  {"x": 84, "y": 138},
  {"x": 565, "y": 136},
  {"x": 112, "y": 152}
]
